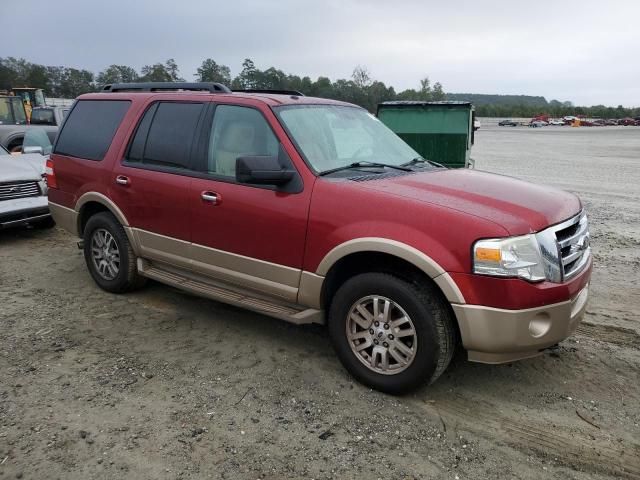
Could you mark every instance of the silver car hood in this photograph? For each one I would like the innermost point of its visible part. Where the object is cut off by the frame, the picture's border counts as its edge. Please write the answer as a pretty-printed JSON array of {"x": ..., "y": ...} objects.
[{"x": 15, "y": 168}]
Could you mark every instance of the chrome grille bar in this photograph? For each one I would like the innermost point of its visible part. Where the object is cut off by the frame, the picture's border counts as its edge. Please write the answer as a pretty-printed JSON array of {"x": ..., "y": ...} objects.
[
  {"x": 565, "y": 248},
  {"x": 10, "y": 191}
]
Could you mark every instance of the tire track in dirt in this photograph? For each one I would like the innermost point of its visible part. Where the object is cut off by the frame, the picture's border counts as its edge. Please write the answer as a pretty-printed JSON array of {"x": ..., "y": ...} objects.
[
  {"x": 609, "y": 333},
  {"x": 593, "y": 451}
]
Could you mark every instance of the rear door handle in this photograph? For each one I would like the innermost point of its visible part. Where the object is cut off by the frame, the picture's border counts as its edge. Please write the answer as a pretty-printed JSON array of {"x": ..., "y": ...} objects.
[
  {"x": 122, "y": 180},
  {"x": 211, "y": 197}
]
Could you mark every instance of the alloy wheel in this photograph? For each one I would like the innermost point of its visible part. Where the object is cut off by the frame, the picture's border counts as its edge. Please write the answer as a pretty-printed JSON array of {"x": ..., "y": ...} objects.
[
  {"x": 381, "y": 334},
  {"x": 105, "y": 254}
]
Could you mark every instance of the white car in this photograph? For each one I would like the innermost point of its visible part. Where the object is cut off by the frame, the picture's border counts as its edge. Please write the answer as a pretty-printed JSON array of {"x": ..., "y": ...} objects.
[{"x": 23, "y": 191}]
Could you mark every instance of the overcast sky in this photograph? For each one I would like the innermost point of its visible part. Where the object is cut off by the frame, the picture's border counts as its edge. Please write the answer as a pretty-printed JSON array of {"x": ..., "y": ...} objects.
[{"x": 584, "y": 51}]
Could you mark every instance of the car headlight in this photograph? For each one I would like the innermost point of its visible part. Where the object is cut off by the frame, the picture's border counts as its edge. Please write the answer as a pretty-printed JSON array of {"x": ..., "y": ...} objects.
[{"x": 509, "y": 257}]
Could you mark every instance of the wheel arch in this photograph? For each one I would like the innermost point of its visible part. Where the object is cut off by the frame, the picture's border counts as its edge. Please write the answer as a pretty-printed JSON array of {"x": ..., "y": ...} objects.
[
  {"x": 14, "y": 139},
  {"x": 366, "y": 261},
  {"x": 375, "y": 254},
  {"x": 91, "y": 203}
]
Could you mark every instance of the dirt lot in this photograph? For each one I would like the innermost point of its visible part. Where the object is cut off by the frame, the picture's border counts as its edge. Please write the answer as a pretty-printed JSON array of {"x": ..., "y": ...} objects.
[{"x": 160, "y": 384}]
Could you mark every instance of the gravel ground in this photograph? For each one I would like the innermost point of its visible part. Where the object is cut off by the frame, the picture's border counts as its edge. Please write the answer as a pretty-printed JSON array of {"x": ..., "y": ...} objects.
[{"x": 161, "y": 384}]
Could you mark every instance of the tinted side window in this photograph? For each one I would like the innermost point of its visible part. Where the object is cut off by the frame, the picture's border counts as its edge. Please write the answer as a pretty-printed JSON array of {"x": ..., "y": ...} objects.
[
  {"x": 136, "y": 149},
  {"x": 166, "y": 134},
  {"x": 42, "y": 116},
  {"x": 238, "y": 131},
  {"x": 90, "y": 128}
]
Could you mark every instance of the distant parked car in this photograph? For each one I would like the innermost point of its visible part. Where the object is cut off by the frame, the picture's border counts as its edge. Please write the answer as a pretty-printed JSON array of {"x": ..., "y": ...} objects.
[
  {"x": 538, "y": 123},
  {"x": 627, "y": 122},
  {"x": 23, "y": 191},
  {"x": 507, "y": 123},
  {"x": 556, "y": 122},
  {"x": 48, "y": 115},
  {"x": 611, "y": 122}
]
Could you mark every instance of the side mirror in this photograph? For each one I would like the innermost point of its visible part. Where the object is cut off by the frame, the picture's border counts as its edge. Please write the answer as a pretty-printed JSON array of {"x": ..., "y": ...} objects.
[
  {"x": 262, "y": 170},
  {"x": 36, "y": 140},
  {"x": 33, "y": 149},
  {"x": 270, "y": 170}
]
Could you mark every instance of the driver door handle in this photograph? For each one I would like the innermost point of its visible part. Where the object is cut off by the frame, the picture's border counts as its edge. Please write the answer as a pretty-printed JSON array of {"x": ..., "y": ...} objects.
[
  {"x": 211, "y": 197},
  {"x": 122, "y": 180}
]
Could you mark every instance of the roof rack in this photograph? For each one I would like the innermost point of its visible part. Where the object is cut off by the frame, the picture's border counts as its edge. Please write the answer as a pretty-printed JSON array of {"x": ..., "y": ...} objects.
[
  {"x": 212, "y": 87},
  {"x": 270, "y": 90}
]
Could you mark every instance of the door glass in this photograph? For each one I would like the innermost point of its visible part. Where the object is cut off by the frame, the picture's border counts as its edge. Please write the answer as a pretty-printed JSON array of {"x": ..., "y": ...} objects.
[
  {"x": 238, "y": 131},
  {"x": 90, "y": 128},
  {"x": 171, "y": 134}
]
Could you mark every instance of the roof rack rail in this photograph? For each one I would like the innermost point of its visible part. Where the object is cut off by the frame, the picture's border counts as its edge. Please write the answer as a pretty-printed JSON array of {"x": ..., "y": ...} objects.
[
  {"x": 270, "y": 90},
  {"x": 212, "y": 87}
]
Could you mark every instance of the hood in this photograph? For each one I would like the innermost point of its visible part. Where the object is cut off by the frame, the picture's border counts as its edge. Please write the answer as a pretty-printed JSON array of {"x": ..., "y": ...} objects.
[
  {"x": 518, "y": 206},
  {"x": 15, "y": 168}
]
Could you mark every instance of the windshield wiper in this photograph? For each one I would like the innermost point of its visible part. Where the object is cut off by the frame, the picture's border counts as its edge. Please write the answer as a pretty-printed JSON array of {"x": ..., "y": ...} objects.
[
  {"x": 421, "y": 160},
  {"x": 363, "y": 164}
]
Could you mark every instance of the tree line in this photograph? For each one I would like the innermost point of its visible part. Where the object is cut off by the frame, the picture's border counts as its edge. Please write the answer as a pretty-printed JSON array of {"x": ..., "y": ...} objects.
[
  {"x": 65, "y": 82},
  {"x": 554, "y": 108},
  {"x": 361, "y": 88}
]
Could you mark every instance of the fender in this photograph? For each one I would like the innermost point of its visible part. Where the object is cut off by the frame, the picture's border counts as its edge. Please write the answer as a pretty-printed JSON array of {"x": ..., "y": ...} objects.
[
  {"x": 13, "y": 136},
  {"x": 311, "y": 283},
  {"x": 113, "y": 208}
]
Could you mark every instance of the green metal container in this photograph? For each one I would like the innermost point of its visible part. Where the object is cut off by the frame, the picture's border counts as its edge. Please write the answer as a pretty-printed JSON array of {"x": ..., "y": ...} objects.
[{"x": 439, "y": 131}]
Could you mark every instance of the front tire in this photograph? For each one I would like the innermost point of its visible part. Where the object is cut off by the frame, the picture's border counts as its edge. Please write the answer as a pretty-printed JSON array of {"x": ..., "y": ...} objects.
[
  {"x": 390, "y": 334},
  {"x": 109, "y": 256}
]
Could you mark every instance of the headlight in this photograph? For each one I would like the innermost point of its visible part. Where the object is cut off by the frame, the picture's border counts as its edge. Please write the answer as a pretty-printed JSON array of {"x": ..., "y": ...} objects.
[{"x": 509, "y": 257}]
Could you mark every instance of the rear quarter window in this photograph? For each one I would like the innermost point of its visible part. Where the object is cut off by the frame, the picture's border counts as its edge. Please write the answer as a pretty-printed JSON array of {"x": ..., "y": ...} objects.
[{"x": 90, "y": 128}]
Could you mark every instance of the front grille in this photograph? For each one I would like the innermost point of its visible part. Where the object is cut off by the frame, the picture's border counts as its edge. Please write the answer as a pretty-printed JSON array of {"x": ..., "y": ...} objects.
[
  {"x": 13, "y": 190},
  {"x": 573, "y": 244},
  {"x": 565, "y": 248}
]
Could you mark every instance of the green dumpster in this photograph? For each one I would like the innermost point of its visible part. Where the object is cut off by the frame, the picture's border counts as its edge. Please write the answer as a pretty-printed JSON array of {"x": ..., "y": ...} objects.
[{"x": 439, "y": 131}]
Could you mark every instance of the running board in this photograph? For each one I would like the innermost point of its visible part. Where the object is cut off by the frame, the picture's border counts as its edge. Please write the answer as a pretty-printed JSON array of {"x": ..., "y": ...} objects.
[{"x": 288, "y": 312}]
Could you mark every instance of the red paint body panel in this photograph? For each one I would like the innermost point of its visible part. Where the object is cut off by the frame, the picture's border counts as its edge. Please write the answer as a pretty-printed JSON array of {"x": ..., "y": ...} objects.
[
  {"x": 154, "y": 201},
  {"x": 514, "y": 293},
  {"x": 253, "y": 222},
  {"x": 518, "y": 206},
  {"x": 342, "y": 210}
]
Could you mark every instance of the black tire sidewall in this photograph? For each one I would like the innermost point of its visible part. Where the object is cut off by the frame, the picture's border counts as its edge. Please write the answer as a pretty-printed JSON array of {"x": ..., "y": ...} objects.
[
  {"x": 108, "y": 222},
  {"x": 412, "y": 300}
]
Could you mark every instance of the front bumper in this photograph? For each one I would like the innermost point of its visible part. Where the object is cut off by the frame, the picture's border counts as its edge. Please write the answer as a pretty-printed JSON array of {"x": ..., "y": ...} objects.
[
  {"x": 22, "y": 211},
  {"x": 496, "y": 335}
]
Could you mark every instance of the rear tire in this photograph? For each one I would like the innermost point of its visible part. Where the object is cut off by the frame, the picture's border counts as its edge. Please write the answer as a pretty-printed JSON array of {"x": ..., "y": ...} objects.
[
  {"x": 361, "y": 338},
  {"x": 109, "y": 256}
]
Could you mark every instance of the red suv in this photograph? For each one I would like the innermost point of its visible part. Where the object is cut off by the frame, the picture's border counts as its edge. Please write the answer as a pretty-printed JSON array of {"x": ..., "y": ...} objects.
[{"x": 311, "y": 210}]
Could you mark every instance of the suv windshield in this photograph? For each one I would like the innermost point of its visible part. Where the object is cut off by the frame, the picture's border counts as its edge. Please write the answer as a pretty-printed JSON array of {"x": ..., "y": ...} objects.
[{"x": 331, "y": 137}]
